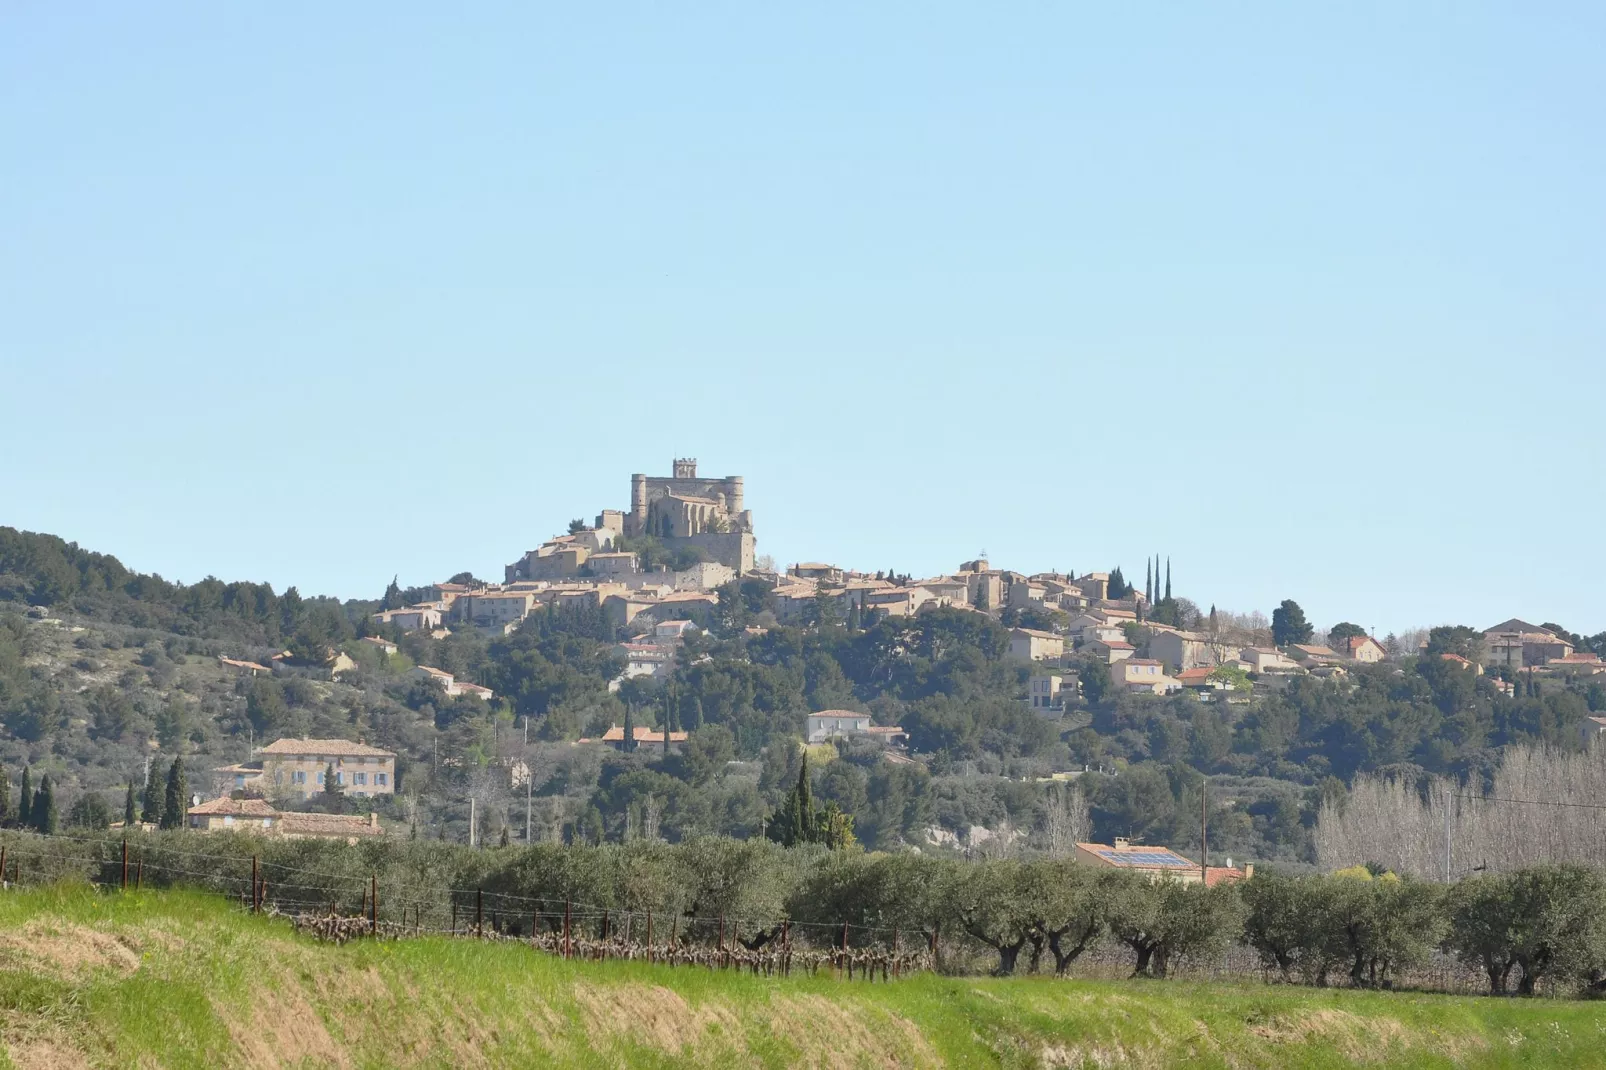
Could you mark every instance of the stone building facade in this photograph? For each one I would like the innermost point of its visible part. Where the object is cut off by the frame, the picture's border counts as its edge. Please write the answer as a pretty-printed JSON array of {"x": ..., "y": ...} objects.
[{"x": 687, "y": 509}]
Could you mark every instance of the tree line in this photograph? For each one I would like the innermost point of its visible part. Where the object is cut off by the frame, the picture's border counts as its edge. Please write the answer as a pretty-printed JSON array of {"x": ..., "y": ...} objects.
[{"x": 1541, "y": 929}]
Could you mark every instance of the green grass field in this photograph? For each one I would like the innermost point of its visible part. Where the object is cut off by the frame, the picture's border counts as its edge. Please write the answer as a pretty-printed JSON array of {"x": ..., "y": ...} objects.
[{"x": 184, "y": 980}]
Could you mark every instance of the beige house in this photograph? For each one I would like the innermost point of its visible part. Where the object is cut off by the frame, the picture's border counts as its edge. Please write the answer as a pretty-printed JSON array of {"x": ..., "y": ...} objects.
[
  {"x": 609, "y": 565},
  {"x": 1043, "y": 691},
  {"x": 1181, "y": 650},
  {"x": 296, "y": 767},
  {"x": 255, "y": 815},
  {"x": 234, "y": 815},
  {"x": 1110, "y": 651},
  {"x": 1310, "y": 656},
  {"x": 1265, "y": 659},
  {"x": 1517, "y": 644},
  {"x": 1143, "y": 676},
  {"x": 411, "y": 619},
  {"x": 493, "y": 609},
  {"x": 1364, "y": 648},
  {"x": 1029, "y": 644},
  {"x": 452, "y": 686}
]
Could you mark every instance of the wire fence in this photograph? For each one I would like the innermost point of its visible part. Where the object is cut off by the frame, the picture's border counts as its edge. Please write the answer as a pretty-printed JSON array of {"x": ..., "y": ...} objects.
[
  {"x": 399, "y": 901},
  {"x": 340, "y": 907}
]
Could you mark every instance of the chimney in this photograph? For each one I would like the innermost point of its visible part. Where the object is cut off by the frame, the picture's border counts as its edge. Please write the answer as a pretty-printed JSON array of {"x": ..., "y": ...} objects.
[{"x": 1121, "y": 843}]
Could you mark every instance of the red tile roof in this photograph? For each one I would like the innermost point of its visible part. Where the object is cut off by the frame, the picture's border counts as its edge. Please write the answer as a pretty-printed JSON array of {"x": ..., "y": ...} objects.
[{"x": 235, "y": 808}]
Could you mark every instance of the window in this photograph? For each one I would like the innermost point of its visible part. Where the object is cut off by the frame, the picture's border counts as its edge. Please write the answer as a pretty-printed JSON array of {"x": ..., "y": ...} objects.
[
  {"x": 362, "y": 778},
  {"x": 379, "y": 778},
  {"x": 340, "y": 778}
]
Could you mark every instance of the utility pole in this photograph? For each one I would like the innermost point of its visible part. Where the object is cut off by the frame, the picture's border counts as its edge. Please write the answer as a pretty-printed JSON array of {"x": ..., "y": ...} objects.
[
  {"x": 1448, "y": 802},
  {"x": 529, "y": 790},
  {"x": 472, "y": 814},
  {"x": 526, "y": 730},
  {"x": 1204, "y": 838}
]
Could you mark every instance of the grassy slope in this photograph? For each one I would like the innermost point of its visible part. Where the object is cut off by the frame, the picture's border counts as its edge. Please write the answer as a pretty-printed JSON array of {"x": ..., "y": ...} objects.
[{"x": 183, "y": 980}]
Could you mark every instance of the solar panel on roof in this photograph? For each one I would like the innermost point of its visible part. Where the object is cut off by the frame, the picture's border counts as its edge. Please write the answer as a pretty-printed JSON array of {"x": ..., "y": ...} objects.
[{"x": 1145, "y": 858}]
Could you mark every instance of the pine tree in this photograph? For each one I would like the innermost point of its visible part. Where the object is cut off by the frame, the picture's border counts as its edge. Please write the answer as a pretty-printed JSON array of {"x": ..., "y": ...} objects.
[
  {"x": 25, "y": 801},
  {"x": 129, "y": 817},
  {"x": 151, "y": 801},
  {"x": 1168, "y": 579},
  {"x": 175, "y": 804},
  {"x": 5, "y": 798},
  {"x": 44, "y": 807}
]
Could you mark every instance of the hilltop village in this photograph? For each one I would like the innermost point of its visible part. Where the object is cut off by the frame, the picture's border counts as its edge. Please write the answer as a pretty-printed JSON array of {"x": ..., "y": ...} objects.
[
  {"x": 649, "y": 673},
  {"x": 655, "y": 571}
]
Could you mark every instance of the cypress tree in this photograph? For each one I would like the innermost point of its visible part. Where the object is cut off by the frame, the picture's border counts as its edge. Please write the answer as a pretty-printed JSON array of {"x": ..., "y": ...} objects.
[
  {"x": 1148, "y": 582},
  {"x": 25, "y": 802},
  {"x": 129, "y": 817},
  {"x": 5, "y": 798},
  {"x": 151, "y": 804},
  {"x": 630, "y": 728},
  {"x": 44, "y": 807},
  {"x": 1168, "y": 579},
  {"x": 176, "y": 803},
  {"x": 803, "y": 809}
]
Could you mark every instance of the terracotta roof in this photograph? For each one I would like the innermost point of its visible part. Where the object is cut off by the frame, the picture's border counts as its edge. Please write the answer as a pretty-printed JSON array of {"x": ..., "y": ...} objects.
[
  {"x": 1190, "y": 675},
  {"x": 1115, "y": 644},
  {"x": 839, "y": 713},
  {"x": 327, "y": 825},
  {"x": 1215, "y": 875},
  {"x": 334, "y": 748},
  {"x": 642, "y": 734},
  {"x": 235, "y": 808},
  {"x": 881, "y": 730},
  {"x": 1140, "y": 661},
  {"x": 1036, "y": 633}
]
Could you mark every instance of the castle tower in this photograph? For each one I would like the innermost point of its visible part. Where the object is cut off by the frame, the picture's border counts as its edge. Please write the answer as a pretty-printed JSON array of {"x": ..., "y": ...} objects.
[
  {"x": 685, "y": 468},
  {"x": 733, "y": 494},
  {"x": 638, "y": 503}
]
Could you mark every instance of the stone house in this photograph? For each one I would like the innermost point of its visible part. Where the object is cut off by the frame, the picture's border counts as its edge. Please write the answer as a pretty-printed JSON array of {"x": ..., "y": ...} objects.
[
  {"x": 1181, "y": 650},
  {"x": 1110, "y": 651},
  {"x": 1142, "y": 676},
  {"x": 1029, "y": 644},
  {"x": 296, "y": 767},
  {"x": 1363, "y": 648}
]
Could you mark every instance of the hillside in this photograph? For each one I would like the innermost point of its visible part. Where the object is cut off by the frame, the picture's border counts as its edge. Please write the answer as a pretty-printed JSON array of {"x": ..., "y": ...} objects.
[
  {"x": 103, "y": 669},
  {"x": 175, "y": 979}
]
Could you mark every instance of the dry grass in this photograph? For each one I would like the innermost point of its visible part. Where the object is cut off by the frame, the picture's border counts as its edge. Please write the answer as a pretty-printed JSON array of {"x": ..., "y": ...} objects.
[{"x": 176, "y": 980}]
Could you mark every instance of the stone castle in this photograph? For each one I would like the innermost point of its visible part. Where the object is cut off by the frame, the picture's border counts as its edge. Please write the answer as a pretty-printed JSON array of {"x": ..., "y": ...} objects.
[
  {"x": 678, "y": 510},
  {"x": 686, "y": 509}
]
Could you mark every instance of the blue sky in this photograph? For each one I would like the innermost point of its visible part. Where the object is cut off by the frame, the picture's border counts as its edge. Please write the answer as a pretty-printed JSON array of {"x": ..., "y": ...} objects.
[{"x": 1310, "y": 301}]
